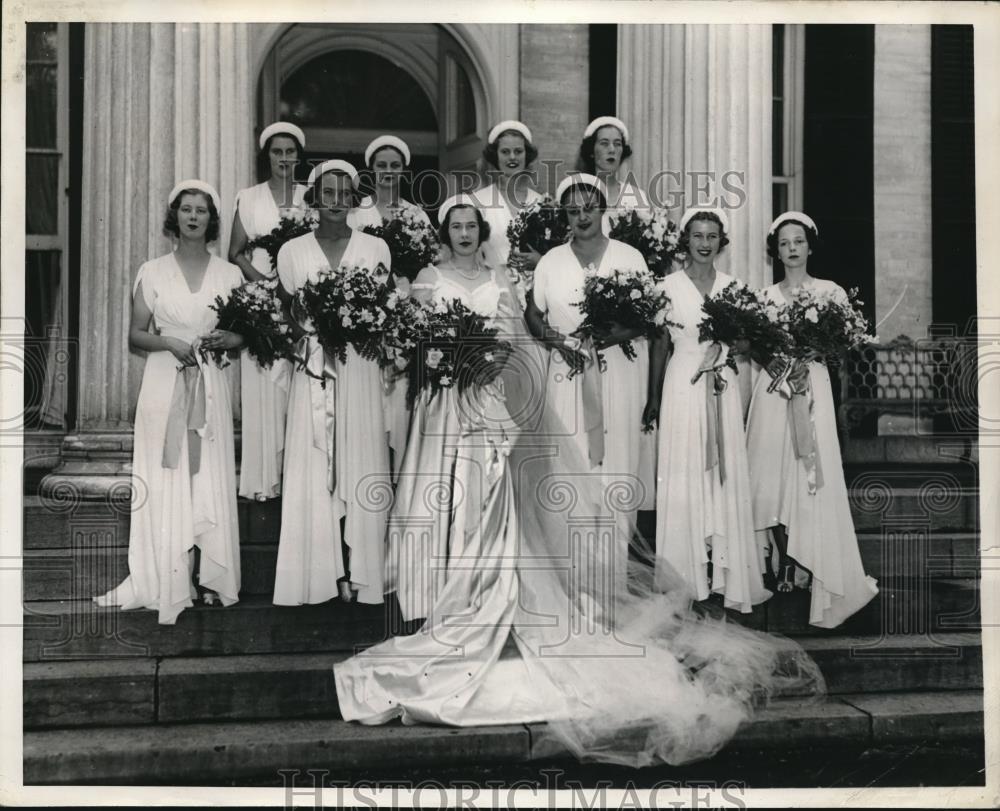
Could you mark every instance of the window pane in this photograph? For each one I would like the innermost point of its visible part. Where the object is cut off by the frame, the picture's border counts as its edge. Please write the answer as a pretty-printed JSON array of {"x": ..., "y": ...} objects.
[
  {"x": 779, "y": 198},
  {"x": 41, "y": 106},
  {"x": 42, "y": 199},
  {"x": 42, "y": 40},
  {"x": 778, "y": 60},
  {"x": 777, "y": 137},
  {"x": 356, "y": 89},
  {"x": 465, "y": 103}
]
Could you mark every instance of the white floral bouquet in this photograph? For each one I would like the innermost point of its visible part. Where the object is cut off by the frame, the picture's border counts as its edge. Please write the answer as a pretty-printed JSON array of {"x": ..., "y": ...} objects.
[
  {"x": 737, "y": 313},
  {"x": 351, "y": 305},
  {"x": 629, "y": 297},
  {"x": 651, "y": 232},
  {"x": 413, "y": 243},
  {"x": 458, "y": 347},
  {"x": 295, "y": 222},
  {"x": 253, "y": 311},
  {"x": 404, "y": 332},
  {"x": 538, "y": 226},
  {"x": 825, "y": 324}
]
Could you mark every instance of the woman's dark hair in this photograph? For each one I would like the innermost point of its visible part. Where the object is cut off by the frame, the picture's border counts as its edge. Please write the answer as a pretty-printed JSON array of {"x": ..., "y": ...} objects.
[
  {"x": 585, "y": 160},
  {"x": 684, "y": 245},
  {"x": 172, "y": 228},
  {"x": 491, "y": 152},
  {"x": 310, "y": 196},
  {"x": 484, "y": 227},
  {"x": 772, "y": 239},
  {"x": 264, "y": 157}
]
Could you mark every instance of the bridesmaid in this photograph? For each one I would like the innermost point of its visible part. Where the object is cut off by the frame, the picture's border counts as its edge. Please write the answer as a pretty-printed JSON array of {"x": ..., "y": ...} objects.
[
  {"x": 264, "y": 392},
  {"x": 508, "y": 154},
  {"x": 183, "y": 463},
  {"x": 603, "y": 150},
  {"x": 703, "y": 496},
  {"x": 803, "y": 502},
  {"x": 445, "y": 502},
  {"x": 387, "y": 157},
  {"x": 604, "y": 409},
  {"x": 336, "y": 473}
]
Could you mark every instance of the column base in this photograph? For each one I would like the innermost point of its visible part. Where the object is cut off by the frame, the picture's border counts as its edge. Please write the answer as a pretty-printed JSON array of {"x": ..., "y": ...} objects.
[{"x": 94, "y": 466}]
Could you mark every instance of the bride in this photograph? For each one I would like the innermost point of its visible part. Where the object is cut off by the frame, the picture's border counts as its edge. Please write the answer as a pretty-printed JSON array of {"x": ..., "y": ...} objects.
[{"x": 527, "y": 622}]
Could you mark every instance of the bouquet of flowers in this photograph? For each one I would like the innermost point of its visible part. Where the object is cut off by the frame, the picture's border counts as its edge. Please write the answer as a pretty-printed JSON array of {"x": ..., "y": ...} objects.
[
  {"x": 458, "y": 347},
  {"x": 737, "y": 313},
  {"x": 629, "y": 297},
  {"x": 538, "y": 226},
  {"x": 254, "y": 311},
  {"x": 350, "y": 305},
  {"x": 412, "y": 242},
  {"x": 404, "y": 332},
  {"x": 294, "y": 222},
  {"x": 652, "y": 233},
  {"x": 825, "y": 324}
]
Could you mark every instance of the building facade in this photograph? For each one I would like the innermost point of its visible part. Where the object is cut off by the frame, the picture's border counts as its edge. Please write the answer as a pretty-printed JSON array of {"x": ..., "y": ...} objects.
[{"x": 869, "y": 128}]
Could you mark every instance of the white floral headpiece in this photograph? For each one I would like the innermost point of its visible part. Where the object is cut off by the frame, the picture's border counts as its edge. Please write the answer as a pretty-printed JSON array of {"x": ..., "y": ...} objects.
[
  {"x": 199, "y": 185},
  {"x": 505, "y": 126},
  {"x": 718, "y": 212},
  {"x": 333, "y": 166},
  {"x": 798, "y": 216},
  {"x": 606, "y": 121},
  {"x": 282, "y": 128},
  {"x": 384, "y": 141}
]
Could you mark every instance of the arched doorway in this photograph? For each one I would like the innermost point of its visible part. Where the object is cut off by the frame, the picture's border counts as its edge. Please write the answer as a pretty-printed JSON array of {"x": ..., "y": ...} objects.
[{"x": 344, "y": 84}]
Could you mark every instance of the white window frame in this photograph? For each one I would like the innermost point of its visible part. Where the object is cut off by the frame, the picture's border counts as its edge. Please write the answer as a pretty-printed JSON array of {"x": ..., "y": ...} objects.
[{"x": 793, "y": 119}]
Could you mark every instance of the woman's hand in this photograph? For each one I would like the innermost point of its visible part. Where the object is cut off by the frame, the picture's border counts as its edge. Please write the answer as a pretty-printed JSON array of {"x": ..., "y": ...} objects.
[
  {"x": 220, "y": 340},
  {"x": 741, "y": 346},
  {"x": 183, "y": 351},
  {"x": 650, "y": 416},
  {"x": 524, "y": 261}
]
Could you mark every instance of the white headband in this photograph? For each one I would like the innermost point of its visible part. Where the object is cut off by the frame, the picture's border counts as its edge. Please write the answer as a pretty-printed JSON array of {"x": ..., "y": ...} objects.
[
  {"x": 505, "y": 126},
  {"x": 199, "y": 185},
  {"x": 333, "y": 166},
  {"x": 606, "y": 121},
  {"x": 582, "y": 179},
  {"x": 282, "y": 128},
  {"x": 805, "y": 219},
  {"x": 456, "y": 200},
  {"x": 718, "y": 212},
  {"x": 384, "y": 141}
]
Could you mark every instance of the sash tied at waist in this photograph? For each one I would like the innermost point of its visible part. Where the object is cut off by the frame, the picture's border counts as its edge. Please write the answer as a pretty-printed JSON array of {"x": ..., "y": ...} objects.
[
  {"x": 593, "y": 408},
  {"x": 800, "y": 412},
  {"x": 188, "y": 415},
  {"x": 322, "y": 394},
  {"x": 715, "y": 384}
]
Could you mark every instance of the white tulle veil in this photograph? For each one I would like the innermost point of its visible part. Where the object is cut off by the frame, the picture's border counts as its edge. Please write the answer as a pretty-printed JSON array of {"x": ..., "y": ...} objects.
[{"x": 641, "y": 674}]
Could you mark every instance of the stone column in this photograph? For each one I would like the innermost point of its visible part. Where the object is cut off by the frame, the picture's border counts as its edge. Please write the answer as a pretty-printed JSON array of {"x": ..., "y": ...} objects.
[
  {"x": 902, "y": 144},
  {"x": 554, "y": 95},
  {"x": 161, "y": 102},
  {"x": 697, "y": 100}
]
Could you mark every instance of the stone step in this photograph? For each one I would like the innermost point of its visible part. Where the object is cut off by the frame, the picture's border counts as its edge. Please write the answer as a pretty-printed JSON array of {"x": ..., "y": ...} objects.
[
  {"x": 215, "y": 688},
  {"x": 911, "y": 500},
  {"x": 68, "y": 574},
  {"x": 255, "y": 751},
  {"x": 77, "y": 629}
]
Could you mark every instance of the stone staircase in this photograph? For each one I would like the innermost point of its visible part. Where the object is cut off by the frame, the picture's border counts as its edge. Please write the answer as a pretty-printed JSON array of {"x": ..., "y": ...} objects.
[{"x": 230, "y": 696}]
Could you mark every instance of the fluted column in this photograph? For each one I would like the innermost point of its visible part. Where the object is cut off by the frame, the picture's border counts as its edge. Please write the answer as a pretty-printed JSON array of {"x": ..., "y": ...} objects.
[
  {"x": 161, "y": 102},
  {"x": 697, "y": 99}
]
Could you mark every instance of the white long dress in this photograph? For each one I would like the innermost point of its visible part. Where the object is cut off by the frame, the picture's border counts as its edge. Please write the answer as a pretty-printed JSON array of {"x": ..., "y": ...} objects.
[
  {"x": 821, "y": 537},
  {"x": 396, "y": 414},
  {"x": 443, "y": 495},
  {"x": 263, "y": 392},
  {"x": 558, "y": 286},
  {"x": 497, "y": 213},
  {"x": 696, "y": 513},
  {"x": 175, "y": 510},
  {"x": 309, "y": 550}
]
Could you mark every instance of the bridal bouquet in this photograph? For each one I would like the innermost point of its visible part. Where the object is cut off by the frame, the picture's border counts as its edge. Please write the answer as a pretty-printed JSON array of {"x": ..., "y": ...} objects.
[
  {"x": 538, "y": 226},
  {"x": 254, "y": 311},
  {"x": 459, "y": 347},
  {"x": 294, "y": 222},
  {"x": 412, "y": 242},
  {"x": 652, "y": 233},
  {"x": 404, "y": 332},
  {"x": 350, "y": 305},
  {"x": 826, "y": 324},
  {"x": 629, "y": 297}
]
